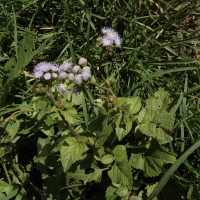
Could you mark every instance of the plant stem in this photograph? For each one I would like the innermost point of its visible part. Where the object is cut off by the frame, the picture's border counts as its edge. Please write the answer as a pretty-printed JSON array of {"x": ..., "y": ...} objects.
[
  {"x": 50, "y": 94},
  {"x": 101, "y": 74},
  {"x": 6, "y": 172},
  {"x": 104, "y": 88},
  {"x": 68, "y": 124},
  {"x": 88, "y": 143},
  {"x": 53, "y": 100}
]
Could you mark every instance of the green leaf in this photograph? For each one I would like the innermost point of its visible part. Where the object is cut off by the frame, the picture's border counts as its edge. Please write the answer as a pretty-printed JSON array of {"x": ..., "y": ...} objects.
[
  {"x": 7, "y": 191},
  {"x": 25, "y": 51},
  {"x": 155, "y": 158},
  {"x": 155, "y": 119},
  {"x": 159, "y": 101},
  {"x": 98, "y": 153},
  {"x": 151, "y": 130},
  {"x": 101, "y": 129},
  {"x": 165, "y": 178},
  {"x": 120, "y": 153},
  {"x": 123, "y": 126},
  {"x": 15, "y": 66},
  {"x": 71, "y": 115},
  {"x": 132, "y": 105},
  {"x": 107, "y": 159},
  {"x": 12, "y": 128},
  {"x": 103, "y": 136},
  {"x": 137, "y": 161},
  {"x": 164, "y": 119},
  {"x": 80, "y": 175},
  {"x": 121, "y": 174},
  {"x": 152, "y": 163},
  {"x": 110, "y": 193},
  {"x": 72, "y": 152},
  {"x": 122, "y": 191},
  {"x": 150, "y": 189},
  {"x": 41, "y": 107}
]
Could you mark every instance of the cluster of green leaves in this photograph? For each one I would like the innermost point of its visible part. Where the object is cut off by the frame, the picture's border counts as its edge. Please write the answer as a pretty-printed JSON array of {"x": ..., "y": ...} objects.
[
  {"x": 71, "y": 161},
  {"x": 79, "y": 147}
]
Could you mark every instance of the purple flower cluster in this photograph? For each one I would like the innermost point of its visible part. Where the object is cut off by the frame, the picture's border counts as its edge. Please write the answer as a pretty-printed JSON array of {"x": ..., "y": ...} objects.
[{"x": 75, "y": 73}]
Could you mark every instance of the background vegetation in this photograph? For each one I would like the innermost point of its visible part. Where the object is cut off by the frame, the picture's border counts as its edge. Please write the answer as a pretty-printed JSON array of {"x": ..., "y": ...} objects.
[{"x": 160, "y": 50}]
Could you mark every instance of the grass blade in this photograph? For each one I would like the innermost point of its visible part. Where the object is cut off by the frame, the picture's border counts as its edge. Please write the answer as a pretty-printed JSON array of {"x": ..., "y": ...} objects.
[
  {"x": 172, "y": 169},
  {"x": 160, "y": 73}
]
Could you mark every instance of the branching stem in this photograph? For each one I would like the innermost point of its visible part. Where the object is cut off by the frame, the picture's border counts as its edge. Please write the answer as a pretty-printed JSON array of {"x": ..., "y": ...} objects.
[
  {"x": 109, "y": 89},
  {"x": 6, "y": 172}
]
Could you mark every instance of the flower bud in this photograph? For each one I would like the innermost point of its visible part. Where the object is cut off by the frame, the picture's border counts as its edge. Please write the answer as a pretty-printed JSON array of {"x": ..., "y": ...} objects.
[
  {"x": 98, "y": 41},
  {"x": 82, "y": 61},
  {"x": 110, "y": 101},
  {"x": 54, "y": 75},
  {"x": 47, "y": 76}
]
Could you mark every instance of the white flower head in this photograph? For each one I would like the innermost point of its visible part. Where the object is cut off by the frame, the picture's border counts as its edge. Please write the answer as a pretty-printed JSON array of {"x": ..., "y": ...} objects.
[
  {"x": 54, "y": 68},
  {"x": 71, "y": 77},
  {"x": 61, "y": 88},
  {"x": 37, "y": 74},
  {"x": 62, "y": 75},
  {"x": 106, "y": 30},
  {"x": 76, "y": 68},
  {"x": 110, "y": 37},
  {"x": 65, "y": 66},
  {"x": 79, "y": 79},
  {"x": 43, "y": 66},
  {"x": 86, "y": 75},
  {"x": 106, "y": 42},
  {"x": 118, "y": 42},
  {"x": 47, "y": 76},
  {"x": 82, "y": 61},
  {"x": 86, "y": 69}
]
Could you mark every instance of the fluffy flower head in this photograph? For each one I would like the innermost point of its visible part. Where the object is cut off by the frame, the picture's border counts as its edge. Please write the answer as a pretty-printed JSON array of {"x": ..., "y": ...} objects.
[
  {"x": 86, "y": 75},
  {"x": 65, "y": 66},
  {"x": 71, "y": 76},
  {"x": 37, "y": 74},
  {"x": 79, "y": 79},
  {"x": 86, "y": 69},
  {"x": 43, "y": 66},
  {"x": 62, "y": 75},
  {"x": 76, "y": 68},
  {"x": 106, "y": 42},
  {"x": 110, "y": 37},
  {"x": 61, "y": 88},
  {"x": 54, "y": 68}
]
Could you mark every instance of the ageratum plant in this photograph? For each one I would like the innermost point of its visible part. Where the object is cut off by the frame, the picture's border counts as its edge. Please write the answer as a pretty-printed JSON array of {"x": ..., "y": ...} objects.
[{"x": 110, "y": 145}]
